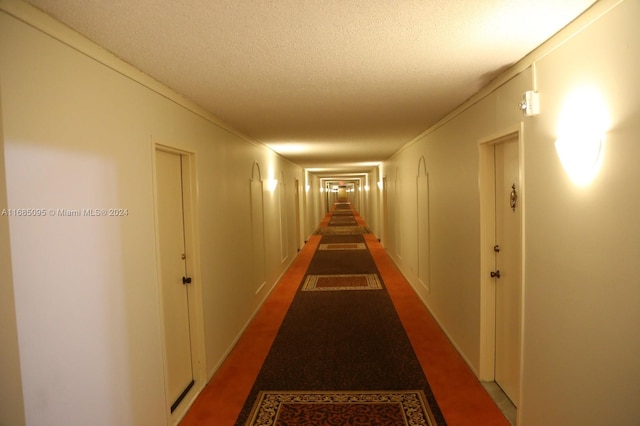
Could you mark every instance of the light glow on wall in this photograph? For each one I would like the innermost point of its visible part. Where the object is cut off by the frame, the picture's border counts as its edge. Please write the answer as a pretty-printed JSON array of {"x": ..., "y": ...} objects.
[
  {"x": 581, "y": 157},
  {"x": 582, "y": 125},
  {"x": 272, "y": 184}
]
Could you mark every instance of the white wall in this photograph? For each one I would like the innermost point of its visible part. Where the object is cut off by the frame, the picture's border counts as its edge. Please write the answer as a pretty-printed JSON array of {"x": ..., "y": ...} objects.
[
  {"x": 582, "y": 320},
  {"x": 80, "y": 134},
  {"x": 581, "y": 316},
  {"x": 11, "y": 404},
  {"x": 370, "y": 210},
  {"x": 451, "y": 154},
  {"x": 314, "y": 205}
]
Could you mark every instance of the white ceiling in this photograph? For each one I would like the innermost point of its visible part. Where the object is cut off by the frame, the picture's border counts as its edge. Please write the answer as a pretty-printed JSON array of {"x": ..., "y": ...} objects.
[{"x": 327, "y": 83}]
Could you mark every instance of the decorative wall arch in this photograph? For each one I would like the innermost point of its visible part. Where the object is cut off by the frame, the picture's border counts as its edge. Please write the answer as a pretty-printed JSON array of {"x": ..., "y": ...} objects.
[
  {"x": 256, "y": 193},
  {"x": 422, "y": 166},
  {"x": 396, "y": 220},
  {"x": 255, "y": 169},
  {"x": 422, "y": 214},
  {"x": 283, "y": 217}
]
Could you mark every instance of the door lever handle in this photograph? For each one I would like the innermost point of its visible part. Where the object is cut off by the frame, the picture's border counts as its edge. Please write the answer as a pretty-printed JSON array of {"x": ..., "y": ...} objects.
[
  {"x": 186, "y": 280},
  {"x": 495, "y": 274}
]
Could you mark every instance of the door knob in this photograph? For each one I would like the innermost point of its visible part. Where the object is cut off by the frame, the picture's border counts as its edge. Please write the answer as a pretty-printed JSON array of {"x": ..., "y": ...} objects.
[
  {"x": 186, "y": 280},
  {"x": 495, "y": 274}
]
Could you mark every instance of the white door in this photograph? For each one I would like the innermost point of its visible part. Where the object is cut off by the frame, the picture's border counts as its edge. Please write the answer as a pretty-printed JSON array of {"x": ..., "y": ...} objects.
[
  {"x": 342, "y": 194},
  {"x": 508, "y": 251},
  {"x": 174, "y": 276}
]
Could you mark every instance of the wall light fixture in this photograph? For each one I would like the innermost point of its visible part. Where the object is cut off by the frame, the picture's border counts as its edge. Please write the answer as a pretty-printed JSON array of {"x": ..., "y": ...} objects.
[
  {"x": 581, "y": 157},
  {"x": 582, "y": 125}
]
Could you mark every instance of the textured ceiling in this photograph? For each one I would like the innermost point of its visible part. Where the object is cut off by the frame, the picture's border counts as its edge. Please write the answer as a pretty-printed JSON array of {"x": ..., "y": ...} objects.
[{"x": 330, "y": 83}]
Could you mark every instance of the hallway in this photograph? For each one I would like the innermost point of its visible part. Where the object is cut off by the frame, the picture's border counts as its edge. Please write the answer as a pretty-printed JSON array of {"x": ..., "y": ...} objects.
[
  {"x": 84, "y": 339},
  {"x": 341, "y": 246}
]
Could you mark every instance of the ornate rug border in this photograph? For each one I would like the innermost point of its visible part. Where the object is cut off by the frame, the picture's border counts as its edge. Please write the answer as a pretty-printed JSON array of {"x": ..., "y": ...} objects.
[
  {"x": 373, "y": 283},
  {"x": 266, "y": 408},
  {"x": 358, "y": 246},
  {"x": 342, "y": 230}
]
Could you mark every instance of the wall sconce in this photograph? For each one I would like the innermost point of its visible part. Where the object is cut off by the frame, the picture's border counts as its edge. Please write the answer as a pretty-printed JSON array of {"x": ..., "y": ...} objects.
[
  {"x": 581, "y": 157},
  {"x": 380, "y": 186},
  {"x": 581, "y": 135},
  {"x": 307, "y": 188},
  {"x": 366, "y": 187},
  {"x": 272, "y": 184}
]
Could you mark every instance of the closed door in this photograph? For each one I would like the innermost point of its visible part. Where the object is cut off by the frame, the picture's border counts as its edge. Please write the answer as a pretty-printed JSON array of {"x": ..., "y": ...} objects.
[
  {"x": 508, "y": 253},
  {"x": 342, "y": 194},
  {"x": 174, "y": 276}
]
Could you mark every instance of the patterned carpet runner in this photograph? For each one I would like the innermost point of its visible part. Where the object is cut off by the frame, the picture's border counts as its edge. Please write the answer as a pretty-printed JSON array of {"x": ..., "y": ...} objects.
[
  {"x": 341, "y": 356},
  {"x": 341, "y": 408}
]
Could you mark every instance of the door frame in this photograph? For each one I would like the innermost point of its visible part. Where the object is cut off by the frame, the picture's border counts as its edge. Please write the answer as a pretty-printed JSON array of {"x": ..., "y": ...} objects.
[
  {"x": 194, "y": 290},
  {"x": 486, "y": 180}
]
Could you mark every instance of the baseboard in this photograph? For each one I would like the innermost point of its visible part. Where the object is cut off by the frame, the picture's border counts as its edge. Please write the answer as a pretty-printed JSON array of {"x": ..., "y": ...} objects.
[{"x": 187, "y": 402}]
